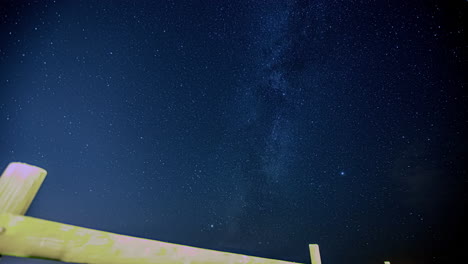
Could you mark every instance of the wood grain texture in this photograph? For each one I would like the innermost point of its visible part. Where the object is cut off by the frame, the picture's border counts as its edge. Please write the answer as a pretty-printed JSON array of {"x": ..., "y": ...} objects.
[
  {"x": 31, "y": 237},
  {"x": 19, "y": 184}
]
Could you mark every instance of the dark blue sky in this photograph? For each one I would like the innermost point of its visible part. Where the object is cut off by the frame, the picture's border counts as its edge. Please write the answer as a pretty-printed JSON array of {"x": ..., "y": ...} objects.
[{"x": 254, "y": 127}]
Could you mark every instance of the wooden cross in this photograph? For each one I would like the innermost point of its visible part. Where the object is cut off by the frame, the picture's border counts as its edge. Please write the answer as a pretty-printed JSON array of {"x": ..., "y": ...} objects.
[{"x": 29, "y": 237}]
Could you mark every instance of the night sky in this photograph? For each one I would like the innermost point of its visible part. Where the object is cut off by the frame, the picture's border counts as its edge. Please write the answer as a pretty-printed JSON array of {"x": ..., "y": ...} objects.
[{"x": 254, "y": 127}]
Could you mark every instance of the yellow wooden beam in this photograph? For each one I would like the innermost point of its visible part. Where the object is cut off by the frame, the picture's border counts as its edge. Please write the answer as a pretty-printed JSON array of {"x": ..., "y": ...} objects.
[
  {"x": 315, "y": 254},
  {"x": 19, "y": 184},
  {"x": 30, "y": 237}
]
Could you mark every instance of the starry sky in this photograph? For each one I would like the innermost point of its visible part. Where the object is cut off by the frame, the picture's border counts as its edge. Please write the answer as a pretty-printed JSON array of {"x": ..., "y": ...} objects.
[{"x": 254, "y": 127}]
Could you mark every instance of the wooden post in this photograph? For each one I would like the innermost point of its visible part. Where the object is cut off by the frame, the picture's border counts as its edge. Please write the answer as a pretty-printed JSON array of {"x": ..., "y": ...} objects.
[
  {"x": 19, "y": 184},
  {"x": 23, "y": 236},
  {"x": 315, "y": 254},
  {"x": 36, "y": 238}
]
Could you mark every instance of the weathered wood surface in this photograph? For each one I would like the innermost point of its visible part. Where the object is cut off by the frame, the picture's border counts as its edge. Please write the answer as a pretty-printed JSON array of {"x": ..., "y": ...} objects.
[
  {"x": 315, "y": 254},
  {"x": 19, "y": 184},
  {"x": 31, "y": 237}
]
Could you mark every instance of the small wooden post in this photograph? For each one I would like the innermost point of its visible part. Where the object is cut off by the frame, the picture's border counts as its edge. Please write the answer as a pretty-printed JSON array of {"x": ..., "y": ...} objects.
[
  {"x": 315, "y": 254},
  {"x": 19, "y": 184}
]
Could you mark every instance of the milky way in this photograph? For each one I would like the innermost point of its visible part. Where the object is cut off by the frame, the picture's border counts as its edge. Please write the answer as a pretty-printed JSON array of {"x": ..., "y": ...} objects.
[{"x": 254, "y": 127}]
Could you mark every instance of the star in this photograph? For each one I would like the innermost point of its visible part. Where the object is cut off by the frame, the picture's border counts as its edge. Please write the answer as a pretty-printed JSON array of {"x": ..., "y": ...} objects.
[{"x": 237, "y": 124}]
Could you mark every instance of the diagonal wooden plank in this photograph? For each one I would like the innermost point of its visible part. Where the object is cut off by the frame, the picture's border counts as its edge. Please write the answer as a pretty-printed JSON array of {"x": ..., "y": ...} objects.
[
  {"x": 30, "y": 237},
  {"x": 19, "y": 184}
]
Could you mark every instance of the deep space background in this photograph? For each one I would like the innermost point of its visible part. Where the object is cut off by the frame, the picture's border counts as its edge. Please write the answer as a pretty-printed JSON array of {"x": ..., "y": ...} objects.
[{"x": 254, "y": 127}]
